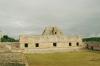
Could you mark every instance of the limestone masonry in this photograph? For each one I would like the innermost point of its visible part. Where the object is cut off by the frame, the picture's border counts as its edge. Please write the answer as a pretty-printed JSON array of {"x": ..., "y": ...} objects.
[{"x": 51, "y": 38}]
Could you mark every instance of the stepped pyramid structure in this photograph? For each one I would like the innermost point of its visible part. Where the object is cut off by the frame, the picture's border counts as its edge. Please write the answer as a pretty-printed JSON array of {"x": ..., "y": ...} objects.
[
  {"x": 52, "y": 31},
  {"x": 51, "y": 38}
]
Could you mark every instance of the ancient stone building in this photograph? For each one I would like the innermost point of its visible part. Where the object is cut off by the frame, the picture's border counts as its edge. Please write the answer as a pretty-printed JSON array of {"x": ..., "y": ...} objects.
[{"x": 51, "y": 37}]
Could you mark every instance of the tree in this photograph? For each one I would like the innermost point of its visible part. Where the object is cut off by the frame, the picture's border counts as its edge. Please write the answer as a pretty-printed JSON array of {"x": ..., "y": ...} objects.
[
  {"x": 6, "y": 38},
  {"x": 92, "y": 39}
]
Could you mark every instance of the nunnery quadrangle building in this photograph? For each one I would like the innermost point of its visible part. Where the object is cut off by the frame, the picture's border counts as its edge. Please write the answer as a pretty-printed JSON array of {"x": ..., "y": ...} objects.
[{"x": 51, "y": 38}]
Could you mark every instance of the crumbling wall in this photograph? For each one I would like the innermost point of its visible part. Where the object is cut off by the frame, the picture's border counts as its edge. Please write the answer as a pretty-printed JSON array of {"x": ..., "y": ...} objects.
[
  {"x": 92, "y": 45},
  {"x": 52, "y": 31},
  {"x": 9, "y": 47},
  {"x": 12, "y": 59}
]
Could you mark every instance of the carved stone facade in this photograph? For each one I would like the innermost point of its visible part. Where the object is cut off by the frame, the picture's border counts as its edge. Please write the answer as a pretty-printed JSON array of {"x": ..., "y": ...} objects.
[
  {"x": 52, "y": 37},
  {"x": 52, "y": 31}
]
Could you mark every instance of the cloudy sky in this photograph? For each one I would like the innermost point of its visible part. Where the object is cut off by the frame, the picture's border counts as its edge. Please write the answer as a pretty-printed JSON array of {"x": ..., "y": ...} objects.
[{"x": 74, "y": 17}]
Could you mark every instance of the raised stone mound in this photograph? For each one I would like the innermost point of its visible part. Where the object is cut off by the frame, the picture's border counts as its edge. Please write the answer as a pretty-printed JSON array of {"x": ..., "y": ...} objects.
[
  {"x": 52, "y": 31},
  {"x": 3, "y": 48},
  {"x": 12, "y": 59},
  {"x": 9, "y": 47}
]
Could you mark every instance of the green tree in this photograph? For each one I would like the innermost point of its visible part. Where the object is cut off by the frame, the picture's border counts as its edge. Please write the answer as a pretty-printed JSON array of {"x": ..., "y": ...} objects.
[
  {"x": 92, "y": 39},
  {"x": 6, "y": 38}
]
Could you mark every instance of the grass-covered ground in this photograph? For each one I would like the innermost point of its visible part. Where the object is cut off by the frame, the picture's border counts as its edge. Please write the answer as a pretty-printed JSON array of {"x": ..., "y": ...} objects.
[{"x": 82, "y": 58}]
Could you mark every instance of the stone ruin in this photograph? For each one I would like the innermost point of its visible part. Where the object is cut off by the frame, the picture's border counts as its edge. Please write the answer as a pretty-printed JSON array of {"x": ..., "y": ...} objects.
[
  {"x": 52, "y": 38},
  {"x": 9, "y": 47},
  {"x": 10, "y": 55},
  {"x": 12, "y": 59},
  {"x": 52, "y": 31}
]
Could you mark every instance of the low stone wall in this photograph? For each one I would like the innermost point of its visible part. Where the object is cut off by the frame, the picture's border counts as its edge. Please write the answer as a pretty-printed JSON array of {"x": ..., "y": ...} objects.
[
  {"x": 52, "y": 50},
  {"x": 12, "y": 59},
  {"x": 10, "y": 47},
  {"x": 15, "y": 47},
  {"x": 11, "y": 64},
  {"x": 93, "y": 45}
]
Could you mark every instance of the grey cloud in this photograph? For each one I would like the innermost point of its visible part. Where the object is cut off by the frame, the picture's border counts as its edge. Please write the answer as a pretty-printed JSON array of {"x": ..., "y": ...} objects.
[{"x": 31, "y": 16}]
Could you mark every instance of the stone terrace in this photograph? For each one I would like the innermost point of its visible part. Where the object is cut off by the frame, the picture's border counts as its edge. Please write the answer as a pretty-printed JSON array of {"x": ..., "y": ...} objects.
[{"x": 12, "y": 59}]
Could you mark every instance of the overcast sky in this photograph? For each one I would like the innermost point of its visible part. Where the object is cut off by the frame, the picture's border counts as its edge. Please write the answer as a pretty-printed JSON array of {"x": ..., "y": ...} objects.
[{"x": 74, "y": 17}]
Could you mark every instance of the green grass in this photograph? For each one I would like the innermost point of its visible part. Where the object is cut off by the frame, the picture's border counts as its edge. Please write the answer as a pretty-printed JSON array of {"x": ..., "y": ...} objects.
[{"x": 82, "y": 58}]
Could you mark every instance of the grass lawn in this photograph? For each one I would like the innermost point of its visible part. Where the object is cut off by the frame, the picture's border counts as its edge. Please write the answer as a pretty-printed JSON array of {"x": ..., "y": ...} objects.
[{"x": 82, "y": 58}]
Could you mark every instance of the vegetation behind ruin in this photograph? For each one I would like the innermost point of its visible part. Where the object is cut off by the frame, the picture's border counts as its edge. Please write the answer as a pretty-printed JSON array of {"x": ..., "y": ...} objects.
[
  {"x": 6, "y": 38},
  {"x": 97, "y": 39}
]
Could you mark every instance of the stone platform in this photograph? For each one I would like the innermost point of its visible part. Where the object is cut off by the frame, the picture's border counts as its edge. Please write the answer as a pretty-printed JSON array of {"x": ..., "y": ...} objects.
[{"x": 12, "y": 59}]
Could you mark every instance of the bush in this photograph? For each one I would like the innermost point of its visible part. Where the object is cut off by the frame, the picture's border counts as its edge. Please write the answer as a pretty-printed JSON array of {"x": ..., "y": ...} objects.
[{"x": 6, "y": 38}]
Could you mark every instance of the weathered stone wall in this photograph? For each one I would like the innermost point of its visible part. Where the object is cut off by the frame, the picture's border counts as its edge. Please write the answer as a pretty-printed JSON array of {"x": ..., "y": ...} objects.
[
  {"x": 93, "y": 45},
  {"x": 10, "y": 47},
  {"x": 45, "y": 42},
  {"x": 12, "y": 59},
  {"x": 52, "y": 37},
  {"x": 52, "y": 31},
  {"x": 52, "y": 50}
]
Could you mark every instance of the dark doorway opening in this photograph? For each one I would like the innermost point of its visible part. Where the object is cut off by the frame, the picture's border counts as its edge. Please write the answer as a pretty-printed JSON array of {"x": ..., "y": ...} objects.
[
  {"x": 70, "y": 44},
  {"x": 26, "y": 45},
  {"x": 77, "y": 43},
  {"x": 54, "y": 44},
  {"x": 55, "y": 32},
  {"x": 92, "y": 48},
  {"x": 37, "y": 45}
]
